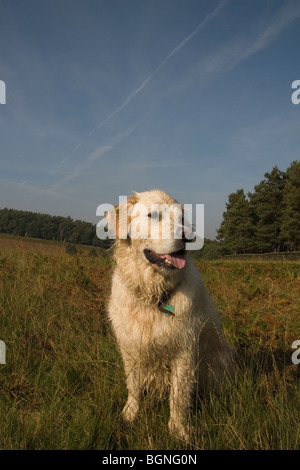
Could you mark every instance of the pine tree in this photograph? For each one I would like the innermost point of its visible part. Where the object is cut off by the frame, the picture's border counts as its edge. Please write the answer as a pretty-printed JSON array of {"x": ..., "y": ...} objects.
[
  {"x": 291, "y": 207},
  {"x": 267, "y": 206},
  {"x": 236, "y": 230}
]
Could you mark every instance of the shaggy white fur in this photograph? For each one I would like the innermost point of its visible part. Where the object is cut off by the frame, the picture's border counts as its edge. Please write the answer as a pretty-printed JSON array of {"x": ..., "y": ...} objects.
[{"x": 184, "y": 352}]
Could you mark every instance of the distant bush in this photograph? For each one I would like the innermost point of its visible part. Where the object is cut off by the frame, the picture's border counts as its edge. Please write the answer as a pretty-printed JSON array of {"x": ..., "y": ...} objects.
[
  {"x": 93, "y": 253},
  {"x": 209, "y": 251},
  {"x": 70, "y": 249}
]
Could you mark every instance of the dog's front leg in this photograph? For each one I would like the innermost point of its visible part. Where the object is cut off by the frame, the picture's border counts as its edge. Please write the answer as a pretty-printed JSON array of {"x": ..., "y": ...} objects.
[
  {"x": 180, "y": 395},
  {"x": 133, "y": 386}
]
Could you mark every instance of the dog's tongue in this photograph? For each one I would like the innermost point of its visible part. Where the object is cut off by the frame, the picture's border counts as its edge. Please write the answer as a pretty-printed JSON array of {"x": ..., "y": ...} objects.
[{"x": 177, "y": 260}]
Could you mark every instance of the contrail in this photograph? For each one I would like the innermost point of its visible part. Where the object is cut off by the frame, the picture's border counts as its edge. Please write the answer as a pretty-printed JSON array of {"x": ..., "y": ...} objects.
[
  {"x": 178, "y": 48},
  {"x": 138, "y": 90},
  {"x": 92, "y": 157}
]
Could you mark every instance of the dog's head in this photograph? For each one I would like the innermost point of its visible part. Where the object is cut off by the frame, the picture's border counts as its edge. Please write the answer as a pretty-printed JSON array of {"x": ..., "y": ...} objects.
[{"x": 153, "y": 225}]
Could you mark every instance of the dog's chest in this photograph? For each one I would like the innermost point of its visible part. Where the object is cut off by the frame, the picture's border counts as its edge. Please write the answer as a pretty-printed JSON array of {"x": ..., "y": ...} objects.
[{"x": 140, "y": 326}]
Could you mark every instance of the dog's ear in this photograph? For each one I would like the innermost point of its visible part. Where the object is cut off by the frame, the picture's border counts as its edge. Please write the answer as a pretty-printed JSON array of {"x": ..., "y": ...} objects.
[{"x": 118, "y": 219}]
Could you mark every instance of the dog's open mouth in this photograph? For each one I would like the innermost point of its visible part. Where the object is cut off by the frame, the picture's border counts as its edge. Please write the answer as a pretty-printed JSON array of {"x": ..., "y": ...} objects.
[{"x": 174, "y": 260}]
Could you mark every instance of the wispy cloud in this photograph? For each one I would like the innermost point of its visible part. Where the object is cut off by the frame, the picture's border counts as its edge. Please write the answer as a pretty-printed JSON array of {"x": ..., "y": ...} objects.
[
  {"x": 128, "y": 100},
  {"x": 281, "y": 21},
  {"x": 16, "y": 188},
  {"x": 143, "y": 165},
  {"x": 238, "y": 49},
  {"x": 227, "y": 57},
  {"x": 97, "y": 153},
  {"x": 24, "y": 196},
  {"x": 268, "y": 138},
  {"x": 176, "y": 49},
  {"x": 93, "y": 157}
]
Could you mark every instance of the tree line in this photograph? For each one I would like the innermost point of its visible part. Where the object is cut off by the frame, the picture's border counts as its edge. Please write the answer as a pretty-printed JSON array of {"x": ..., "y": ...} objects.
[
  {"x": 49, "y": 227},
  {"x": 266, "y": 220}
]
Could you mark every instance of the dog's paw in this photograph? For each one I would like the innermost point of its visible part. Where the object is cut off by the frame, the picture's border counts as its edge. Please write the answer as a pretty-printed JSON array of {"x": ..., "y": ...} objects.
[
  {"x": 130, "y": 410},
  {"x": 178, "y": 430}
]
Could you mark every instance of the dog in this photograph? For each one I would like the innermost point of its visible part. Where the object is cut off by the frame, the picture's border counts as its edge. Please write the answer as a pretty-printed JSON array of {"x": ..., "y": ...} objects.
[{"x": 166, "y": 325}]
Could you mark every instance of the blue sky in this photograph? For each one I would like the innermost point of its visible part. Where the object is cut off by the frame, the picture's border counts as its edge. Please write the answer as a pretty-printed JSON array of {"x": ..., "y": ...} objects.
[{"x": 104, "y": 97}]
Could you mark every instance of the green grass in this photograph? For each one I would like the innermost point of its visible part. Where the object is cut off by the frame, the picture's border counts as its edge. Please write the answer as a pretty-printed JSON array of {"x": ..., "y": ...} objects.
[{"x": 63, "y": 385}]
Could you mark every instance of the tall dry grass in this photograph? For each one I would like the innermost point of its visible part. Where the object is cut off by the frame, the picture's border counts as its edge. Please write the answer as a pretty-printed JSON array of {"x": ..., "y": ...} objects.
[{"x": 63, "y": 385}]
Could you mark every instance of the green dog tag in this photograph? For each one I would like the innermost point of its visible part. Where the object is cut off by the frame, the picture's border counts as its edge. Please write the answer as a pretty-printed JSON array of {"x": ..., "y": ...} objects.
[{"x": 170, "y": 310}]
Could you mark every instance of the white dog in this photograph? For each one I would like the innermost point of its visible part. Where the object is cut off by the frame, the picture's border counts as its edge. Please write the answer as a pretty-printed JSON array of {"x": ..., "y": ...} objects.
[{"x": 166, "y": 325}]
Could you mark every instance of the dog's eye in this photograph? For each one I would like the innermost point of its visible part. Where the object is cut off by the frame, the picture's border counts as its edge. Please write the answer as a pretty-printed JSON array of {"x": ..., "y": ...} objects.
[{"x": 153, "y": 215}]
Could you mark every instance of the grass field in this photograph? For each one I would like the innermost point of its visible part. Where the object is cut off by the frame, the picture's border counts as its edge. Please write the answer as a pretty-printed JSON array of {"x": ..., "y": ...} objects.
[{"x": 63, "y": 386}]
